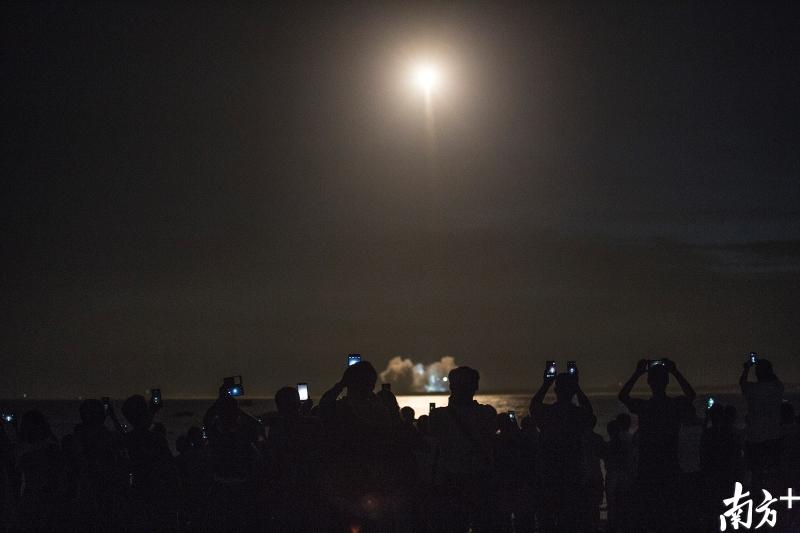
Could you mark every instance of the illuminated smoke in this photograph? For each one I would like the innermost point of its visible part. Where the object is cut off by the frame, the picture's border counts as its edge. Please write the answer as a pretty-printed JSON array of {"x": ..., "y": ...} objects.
[{"x": 408, "y": 377}]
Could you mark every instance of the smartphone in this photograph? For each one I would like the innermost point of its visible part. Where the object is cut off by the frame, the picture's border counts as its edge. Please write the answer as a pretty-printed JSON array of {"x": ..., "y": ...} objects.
[
  {"x": 710, "y": 402},
  {"x": 302, "y": 390},
  {"x": 386, "y": 386},
  {"x": 550, "y": 370},
  {"x": 8, "y": 417},
  {"x": 106, "y": 403},
  {"x": 353, "y": 358},
  {"x": 655, "y": 362},
  {"x": 753, "y": 358},
  {"x": 155, "y": 396},
  {"x": 512, "y": 415},
  {"x": 233, "y": 385},
  {"x": 572, "y": 367},
  {"x": 431, "y": 407}
]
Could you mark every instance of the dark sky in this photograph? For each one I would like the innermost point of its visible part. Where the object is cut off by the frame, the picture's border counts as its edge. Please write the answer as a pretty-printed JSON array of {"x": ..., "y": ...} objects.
[{"x": 193, "y": 191}]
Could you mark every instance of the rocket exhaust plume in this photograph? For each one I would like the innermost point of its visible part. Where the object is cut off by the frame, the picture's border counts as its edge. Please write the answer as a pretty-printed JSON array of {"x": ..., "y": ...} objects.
[{"x": 409, "y": 377}]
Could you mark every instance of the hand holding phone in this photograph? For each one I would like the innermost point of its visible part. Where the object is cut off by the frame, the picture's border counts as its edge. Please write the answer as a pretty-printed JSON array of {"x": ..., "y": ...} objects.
[
  {"x": 232, "y": 386},
  {"x": 155, "y": 397},
  {"x": 752, "y": 359},
  {"x": 353, "y": 358},
  {"x": 550, "y": 371},
  {"x": 302, "y": 390},
  {"x": 572, "y": 368}
]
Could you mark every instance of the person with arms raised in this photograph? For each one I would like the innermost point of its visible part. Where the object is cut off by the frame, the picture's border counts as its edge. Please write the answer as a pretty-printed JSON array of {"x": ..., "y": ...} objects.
[{"x": 658, "y": 469}]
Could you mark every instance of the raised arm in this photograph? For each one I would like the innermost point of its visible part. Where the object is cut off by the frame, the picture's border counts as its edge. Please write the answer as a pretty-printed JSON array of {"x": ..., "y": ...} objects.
[
  {"x": 625, "y": 393},
  {"x": 538, "y": 398},
  {"x": 583, "y": 400},
  {"x": 113, "y": 416},
  {"x": 745, "y": 375},
  {"x": 327, "y": 404},
  {"x": 687, "y": 389}
]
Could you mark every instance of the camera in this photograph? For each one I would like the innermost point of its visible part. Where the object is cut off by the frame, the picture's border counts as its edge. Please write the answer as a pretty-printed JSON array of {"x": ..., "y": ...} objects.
[
  {"x": 550, "y": 370},
  {"x": 233, "y": 386},
  {"x": 155, "y": 396},
  {"x": 653, "y": 363},
  {"x": 710, "y": 402},
  {"x": 512, "y": 415},
  {"x": 753, "y": 358},
  {"x": 353, "y": 358},
  {"x": 302, "y": 390},
  {"x": 8, "y": 417}
]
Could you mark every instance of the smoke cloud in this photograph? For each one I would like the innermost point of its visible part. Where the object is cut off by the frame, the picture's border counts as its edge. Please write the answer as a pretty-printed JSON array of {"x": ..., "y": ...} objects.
[{"x": 409, "y": 377}]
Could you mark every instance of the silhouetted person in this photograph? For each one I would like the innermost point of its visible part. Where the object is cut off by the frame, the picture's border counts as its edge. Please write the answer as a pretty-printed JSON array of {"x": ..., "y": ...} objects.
[
  {"x": 100, "y": 476},
  {"x": 690, "y": 486},
  {"x": 8, "y": 497},
  {"x": 40, "y": 467},
  {"x": 195, "y": 474},
  {"x": 763, "y": 421},
  {"x": 526, "y": 514},
  {"x": 292, "y": 449},
  {"x": 407, "y": 415},
  {"x": 562, "y": 469},
  {"x": 360, "y": 439},
  {"x": 720, "y": 460},
  {"x": 236, "y": 466},
  {"x": 152, "y": 477},
  {"x": 658, "y": 436},
  {"x": 464, "y": 433},
  {"x": 618, "y": 460},
  {"x": 593, "y": 450},
  {"x": 510, "y": 477}
]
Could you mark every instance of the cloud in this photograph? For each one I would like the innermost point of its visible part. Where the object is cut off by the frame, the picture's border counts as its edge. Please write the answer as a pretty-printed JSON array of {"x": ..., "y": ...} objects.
[{"x": 409, "y": 377}]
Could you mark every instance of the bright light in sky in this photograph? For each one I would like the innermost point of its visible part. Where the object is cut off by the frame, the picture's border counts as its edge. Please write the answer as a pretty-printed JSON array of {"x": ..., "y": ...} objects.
[{"x": 427, "y": 77}]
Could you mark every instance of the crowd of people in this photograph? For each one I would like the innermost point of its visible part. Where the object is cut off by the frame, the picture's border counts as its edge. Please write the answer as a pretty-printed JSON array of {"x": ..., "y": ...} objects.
[{"x": 357, "y": 462}]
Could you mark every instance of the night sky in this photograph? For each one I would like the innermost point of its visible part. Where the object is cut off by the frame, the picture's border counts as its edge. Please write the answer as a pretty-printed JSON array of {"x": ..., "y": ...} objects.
[{"x": 194, "y": 191}]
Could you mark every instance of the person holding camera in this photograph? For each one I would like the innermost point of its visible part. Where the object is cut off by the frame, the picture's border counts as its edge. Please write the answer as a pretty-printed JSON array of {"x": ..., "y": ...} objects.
[
  {"x": 658, "y": 470},
  {"x": 763, "y": 421},
  {"x": 563, "y": 471}
]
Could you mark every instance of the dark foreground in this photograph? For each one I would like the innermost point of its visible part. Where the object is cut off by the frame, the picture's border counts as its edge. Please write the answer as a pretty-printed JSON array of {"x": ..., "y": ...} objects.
[{"x": 357, "y": 463}]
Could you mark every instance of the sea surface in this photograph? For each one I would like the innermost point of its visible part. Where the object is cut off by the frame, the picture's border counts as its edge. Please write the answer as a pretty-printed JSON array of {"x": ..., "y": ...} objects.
[{"x": 178, "y": 415}]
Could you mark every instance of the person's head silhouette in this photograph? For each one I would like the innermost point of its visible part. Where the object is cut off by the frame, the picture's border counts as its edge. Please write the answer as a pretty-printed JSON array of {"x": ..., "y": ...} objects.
[
  {"x": 463, "y": 382},
  {"x": 92, "y": 412},
  {"x": 658, "y": 379},
  {"x": 287, "y": 401},
  {"x": 407, "y": 414},
  {"x": 33, "y": 427},
  {"x": 764, "y": 371},
  {"x": 137, "y": 412},
  {"x": 360, "y": 379},
  {"x": 566, "y": 387}
]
